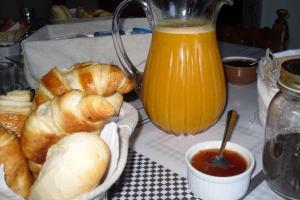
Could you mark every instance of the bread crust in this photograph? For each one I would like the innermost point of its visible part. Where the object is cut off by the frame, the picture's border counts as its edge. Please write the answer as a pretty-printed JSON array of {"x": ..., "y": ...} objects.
[
  {"x": 14, "y": 122},
  {"x": 74, "y": 111},
  {"x": 15, "y": 107},
  {"x": 90, "y": 77},
  {"x": 74, "y": 165},
  {"x": 16, "y": 171}
]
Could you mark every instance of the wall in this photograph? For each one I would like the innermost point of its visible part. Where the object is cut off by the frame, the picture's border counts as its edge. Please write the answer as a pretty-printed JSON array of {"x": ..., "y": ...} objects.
[
  {"x": 14, "y": 8},
  {"x": 10, "y": 9},
  {"x": 269, "y": 15}
]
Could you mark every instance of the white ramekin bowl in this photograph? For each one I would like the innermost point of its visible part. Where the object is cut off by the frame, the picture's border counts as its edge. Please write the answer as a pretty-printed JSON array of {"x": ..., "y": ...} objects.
[{"x": 209, "y": 187}]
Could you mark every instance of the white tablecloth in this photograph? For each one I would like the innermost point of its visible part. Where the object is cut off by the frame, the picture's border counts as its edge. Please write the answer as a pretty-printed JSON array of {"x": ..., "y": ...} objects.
[{"x": 168, "y": 150}]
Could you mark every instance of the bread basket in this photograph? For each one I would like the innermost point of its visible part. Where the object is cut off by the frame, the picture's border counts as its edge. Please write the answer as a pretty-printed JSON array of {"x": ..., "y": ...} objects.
[{"x": 118, "y": 142}]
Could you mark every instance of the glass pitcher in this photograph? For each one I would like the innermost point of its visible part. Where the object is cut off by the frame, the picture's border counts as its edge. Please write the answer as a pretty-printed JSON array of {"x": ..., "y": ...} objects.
[{"x": 183, "y": 87}]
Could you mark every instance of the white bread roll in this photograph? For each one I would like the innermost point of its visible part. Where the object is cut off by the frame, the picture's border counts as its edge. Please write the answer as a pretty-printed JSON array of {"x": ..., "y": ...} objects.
[{"x": 74, "y": 165}]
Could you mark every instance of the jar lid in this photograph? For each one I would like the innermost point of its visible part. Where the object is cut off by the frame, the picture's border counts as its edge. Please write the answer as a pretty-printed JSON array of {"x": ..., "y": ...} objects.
[{"x": 290, "y": 75}]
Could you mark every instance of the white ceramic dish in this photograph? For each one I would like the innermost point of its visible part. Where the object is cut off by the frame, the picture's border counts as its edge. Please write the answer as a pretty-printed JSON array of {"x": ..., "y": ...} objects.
[{"x": 213, "y": 187}]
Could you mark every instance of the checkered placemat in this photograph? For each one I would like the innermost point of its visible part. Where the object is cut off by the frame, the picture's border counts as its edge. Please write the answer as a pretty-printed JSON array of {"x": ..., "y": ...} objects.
[{"x": 145, "y": 179}]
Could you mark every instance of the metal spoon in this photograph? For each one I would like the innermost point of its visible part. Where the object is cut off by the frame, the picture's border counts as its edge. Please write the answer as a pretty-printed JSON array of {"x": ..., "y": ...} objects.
[{"x": 219, "y": 160}]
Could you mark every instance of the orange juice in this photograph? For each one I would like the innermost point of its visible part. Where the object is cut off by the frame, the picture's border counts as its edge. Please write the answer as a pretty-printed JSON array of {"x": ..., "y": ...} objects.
[{"x": 184, "y": 89}]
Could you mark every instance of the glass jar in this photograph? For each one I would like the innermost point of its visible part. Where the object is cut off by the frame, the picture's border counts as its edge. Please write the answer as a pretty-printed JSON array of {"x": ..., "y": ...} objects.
[{"x": 281, "y": 154}]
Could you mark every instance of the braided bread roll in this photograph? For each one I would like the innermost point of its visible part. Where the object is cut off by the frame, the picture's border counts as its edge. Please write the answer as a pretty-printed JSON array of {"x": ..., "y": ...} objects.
[
  {"x": 90, "y": 77},
  {"x": 74, "y": 111},
  {"x": 16, "y": 172},
  {"x": 15, "y": 107}
]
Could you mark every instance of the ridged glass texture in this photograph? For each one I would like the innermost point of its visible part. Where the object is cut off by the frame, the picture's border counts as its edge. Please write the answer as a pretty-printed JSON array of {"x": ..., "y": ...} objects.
[{"x": 183, "y": 88}]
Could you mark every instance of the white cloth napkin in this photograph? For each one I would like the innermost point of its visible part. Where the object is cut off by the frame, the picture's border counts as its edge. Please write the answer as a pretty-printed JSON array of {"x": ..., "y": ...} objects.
[{"x": 42, "y": 51}]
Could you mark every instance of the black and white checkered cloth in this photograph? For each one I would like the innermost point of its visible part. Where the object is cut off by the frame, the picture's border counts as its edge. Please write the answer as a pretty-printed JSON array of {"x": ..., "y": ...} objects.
[{"x": 145, "y": 179}]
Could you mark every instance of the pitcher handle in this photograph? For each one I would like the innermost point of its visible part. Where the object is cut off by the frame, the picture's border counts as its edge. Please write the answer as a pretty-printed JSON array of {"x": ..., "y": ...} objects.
[{"x": 128, "y": 67}]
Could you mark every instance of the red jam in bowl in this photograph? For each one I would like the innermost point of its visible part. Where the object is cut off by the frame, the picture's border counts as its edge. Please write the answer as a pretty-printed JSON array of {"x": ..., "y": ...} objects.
[{"x": 236, "y": 163}]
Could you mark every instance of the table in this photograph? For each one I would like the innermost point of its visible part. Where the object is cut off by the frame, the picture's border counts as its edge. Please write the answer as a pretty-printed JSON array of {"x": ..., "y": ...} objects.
[{"x": 155, "y": 168}]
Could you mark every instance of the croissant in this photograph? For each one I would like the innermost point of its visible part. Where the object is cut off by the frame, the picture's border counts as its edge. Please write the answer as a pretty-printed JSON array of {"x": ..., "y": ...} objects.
[
  {"x": 16, "y": 172},
  {"x": 90, "y": 77},
  {"x": 34, "y": 168},
  {"x": 15, "y": 106},
  {"x": 74, "y": 111}
]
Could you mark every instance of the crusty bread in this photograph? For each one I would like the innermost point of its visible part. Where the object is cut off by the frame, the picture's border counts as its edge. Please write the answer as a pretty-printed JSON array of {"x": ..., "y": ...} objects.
[
  {"x": 60, "y": 12},
  {"x": 15, "y": 107},
  {"x": 34, "y": 168},
  {"x": 16, "y": 172},
  {"x": 74, "y": 111},
  {"x": 74, "y": 165},
  {"x": 90, "y": 77}
]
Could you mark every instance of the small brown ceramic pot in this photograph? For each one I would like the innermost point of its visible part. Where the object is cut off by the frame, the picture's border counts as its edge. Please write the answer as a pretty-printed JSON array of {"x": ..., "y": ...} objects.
[{"x": 240, "y": 70}]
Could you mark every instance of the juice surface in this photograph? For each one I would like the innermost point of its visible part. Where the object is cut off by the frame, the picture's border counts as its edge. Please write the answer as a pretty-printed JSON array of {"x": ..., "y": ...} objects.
[{"x": 183, "y": 89}]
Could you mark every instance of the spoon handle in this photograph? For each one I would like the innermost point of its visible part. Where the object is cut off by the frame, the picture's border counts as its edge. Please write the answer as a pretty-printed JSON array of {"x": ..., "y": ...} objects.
[{"x": 232, "y": 117}]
